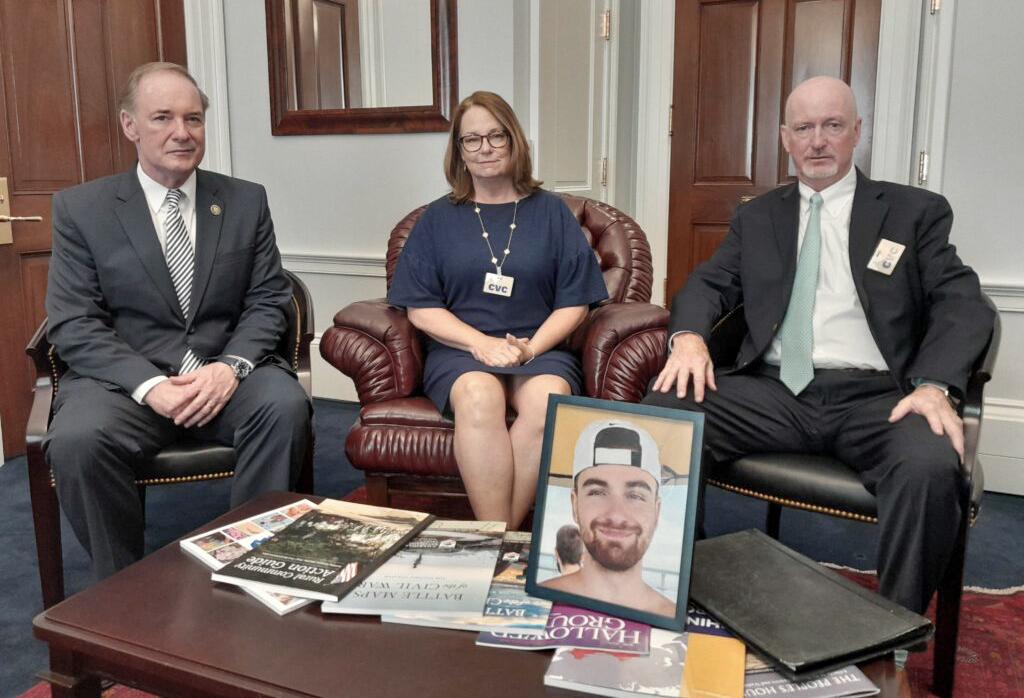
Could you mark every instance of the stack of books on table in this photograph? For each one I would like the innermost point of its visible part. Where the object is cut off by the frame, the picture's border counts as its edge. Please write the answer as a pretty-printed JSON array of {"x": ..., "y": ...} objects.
[
  {"x": 409, "y": 568},
  {"x": 221, "y": 546},
  {"x": 405, "y": 566},
  {"x": 302, "y": 552}
]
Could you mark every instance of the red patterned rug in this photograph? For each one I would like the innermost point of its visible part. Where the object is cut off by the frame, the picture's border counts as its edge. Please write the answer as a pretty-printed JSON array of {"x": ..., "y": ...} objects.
[
  {"x": 990, "y": 647},
  {"x": 990, "y": 656}
]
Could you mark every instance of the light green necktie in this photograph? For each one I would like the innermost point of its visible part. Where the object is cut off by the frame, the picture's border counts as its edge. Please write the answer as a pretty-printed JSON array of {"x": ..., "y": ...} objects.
[{"x": 796, "y": 369}]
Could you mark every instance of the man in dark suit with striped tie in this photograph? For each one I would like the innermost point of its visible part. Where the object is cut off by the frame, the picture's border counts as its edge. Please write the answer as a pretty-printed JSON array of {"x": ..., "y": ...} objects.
[{"x": 166, "y": 298}]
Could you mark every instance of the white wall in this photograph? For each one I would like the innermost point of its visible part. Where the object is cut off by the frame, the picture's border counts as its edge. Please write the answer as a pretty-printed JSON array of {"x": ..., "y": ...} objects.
[
  {"x": 335, "y": 199},
  {"x": 981, "y": 177}
]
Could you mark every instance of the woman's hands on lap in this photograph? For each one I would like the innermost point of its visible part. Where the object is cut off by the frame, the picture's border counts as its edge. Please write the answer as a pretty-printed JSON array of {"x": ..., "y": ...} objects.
[{"x": 499, "y": 353}]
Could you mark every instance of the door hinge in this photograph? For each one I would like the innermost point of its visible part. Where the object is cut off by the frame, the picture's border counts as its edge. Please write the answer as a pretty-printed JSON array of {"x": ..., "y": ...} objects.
[
  {"x": 936, "y": 5},
  {"x": 604, "y": 172},
  {"x": 606, "y": 25},
  {"x": 922, "y": 167},
  {"x": 670, "y": 121}
]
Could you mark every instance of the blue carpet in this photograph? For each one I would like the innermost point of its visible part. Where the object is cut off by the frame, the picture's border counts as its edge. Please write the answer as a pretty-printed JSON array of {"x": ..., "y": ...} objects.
[
  {"x": 170, "y": 513},
  {"x": 995, "y": 554}
]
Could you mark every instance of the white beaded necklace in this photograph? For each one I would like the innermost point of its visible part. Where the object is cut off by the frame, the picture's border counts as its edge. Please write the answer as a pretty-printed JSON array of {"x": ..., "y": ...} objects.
[{"x": 487, "y": 238}]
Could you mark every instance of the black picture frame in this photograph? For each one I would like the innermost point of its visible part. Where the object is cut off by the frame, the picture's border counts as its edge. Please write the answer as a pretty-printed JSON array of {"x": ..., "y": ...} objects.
[{"x": 618, "y": 534}]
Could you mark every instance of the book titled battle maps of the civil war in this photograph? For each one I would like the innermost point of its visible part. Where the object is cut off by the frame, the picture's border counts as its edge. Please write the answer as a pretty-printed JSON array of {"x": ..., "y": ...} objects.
[{"x": 326, "y": 552}]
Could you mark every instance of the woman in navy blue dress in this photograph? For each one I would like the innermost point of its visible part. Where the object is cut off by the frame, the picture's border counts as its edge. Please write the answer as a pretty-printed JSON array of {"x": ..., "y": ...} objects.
[{"x": 497, "y": 274}]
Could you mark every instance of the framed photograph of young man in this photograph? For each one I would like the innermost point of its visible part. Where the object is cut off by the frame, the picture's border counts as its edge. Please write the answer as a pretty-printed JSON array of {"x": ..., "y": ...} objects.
[{"x": 616, "y": 509}]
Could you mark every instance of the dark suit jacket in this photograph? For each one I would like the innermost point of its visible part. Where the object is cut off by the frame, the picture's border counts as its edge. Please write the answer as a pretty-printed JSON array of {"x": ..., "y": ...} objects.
[
  {"x": 928, "y": 318},
  {"x": 112, "y": 311}
]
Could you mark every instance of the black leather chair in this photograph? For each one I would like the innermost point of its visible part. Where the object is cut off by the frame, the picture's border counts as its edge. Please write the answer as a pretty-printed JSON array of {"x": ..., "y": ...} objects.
[
  {"x": 827, "y": 486},
  {"x": 187, "y": 461}
]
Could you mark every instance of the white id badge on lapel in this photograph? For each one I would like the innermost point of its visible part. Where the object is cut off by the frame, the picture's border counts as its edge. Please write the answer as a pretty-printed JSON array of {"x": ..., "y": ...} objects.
[
  {"x": 886, "y": 255},
  {"x": 498, "y": 285}
]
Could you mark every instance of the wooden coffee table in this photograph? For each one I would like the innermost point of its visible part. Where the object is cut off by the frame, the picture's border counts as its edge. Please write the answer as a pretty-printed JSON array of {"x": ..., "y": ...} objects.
[{"x": 162, "y": 626}]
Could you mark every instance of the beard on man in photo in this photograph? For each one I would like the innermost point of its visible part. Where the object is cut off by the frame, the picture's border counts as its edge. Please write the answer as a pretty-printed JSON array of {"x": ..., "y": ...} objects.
[{"x": 616, "y": 504}]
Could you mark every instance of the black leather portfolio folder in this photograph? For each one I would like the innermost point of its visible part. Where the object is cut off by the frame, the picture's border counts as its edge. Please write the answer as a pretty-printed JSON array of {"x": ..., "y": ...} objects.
[{"x": 801, "y": 616}]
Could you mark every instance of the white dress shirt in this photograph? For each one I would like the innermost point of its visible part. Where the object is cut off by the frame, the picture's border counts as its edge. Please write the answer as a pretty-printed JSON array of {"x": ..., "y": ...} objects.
[
  {"x": 156, "y": 200},
  {"x": 842, "y": 338}
]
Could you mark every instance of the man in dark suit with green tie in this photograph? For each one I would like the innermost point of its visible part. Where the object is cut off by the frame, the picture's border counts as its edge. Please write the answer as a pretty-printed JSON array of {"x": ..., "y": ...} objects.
[
  {"x": 863, "y": 325},
  {"x": 166, "y": 298}
]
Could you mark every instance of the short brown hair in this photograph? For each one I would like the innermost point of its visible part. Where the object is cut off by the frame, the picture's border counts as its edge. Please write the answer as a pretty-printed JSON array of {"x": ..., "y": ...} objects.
[
  {"x": 131, "y": 88},
  {"x": 519, "y": 149},
  {"x": 569, "y": 545}
]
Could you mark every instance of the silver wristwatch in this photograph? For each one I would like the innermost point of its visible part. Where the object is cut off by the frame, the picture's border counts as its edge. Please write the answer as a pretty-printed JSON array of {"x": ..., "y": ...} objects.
[
  {"x": 239, "y": 367},
  {"x": 945, "y": 391}
]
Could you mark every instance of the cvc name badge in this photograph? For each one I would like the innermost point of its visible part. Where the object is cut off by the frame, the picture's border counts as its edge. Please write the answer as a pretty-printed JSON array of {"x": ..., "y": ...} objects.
[
  {"x": 886, "y": 255},
  {"x": 498, "y": 285}
]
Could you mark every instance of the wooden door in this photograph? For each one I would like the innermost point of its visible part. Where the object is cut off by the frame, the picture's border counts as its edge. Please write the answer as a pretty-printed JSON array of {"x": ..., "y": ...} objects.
[
  {"x": 735, "y": 60},
  {"x": 62, "y": 64}
]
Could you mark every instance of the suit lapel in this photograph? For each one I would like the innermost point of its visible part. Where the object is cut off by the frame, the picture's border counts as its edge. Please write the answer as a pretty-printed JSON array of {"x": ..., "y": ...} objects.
[
  {"x": 866, "y": 219},
  {"x": 786, "y": 223},
  {"x": 208, "y": 228},
  {"x": 137, "y": 222}
]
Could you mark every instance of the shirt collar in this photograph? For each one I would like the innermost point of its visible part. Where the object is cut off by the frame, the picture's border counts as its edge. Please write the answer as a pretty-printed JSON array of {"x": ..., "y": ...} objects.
[
  {"x": 834, "y": 197},
  {"x": 156, "y": 193}
]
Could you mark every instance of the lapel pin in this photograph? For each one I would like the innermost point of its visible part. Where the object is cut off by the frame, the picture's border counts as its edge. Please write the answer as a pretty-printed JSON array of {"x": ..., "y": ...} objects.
[{"x": 215, "y": 209}]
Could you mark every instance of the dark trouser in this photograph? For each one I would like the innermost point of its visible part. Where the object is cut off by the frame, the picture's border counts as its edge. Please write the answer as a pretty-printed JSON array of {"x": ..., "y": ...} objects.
[
  {"x": 913, "y": 473},
  {"x": 98, "y": 437}
]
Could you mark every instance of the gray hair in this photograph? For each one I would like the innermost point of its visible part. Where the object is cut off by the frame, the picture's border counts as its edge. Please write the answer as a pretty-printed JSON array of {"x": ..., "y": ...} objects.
[{"x": 131, "y": 88}]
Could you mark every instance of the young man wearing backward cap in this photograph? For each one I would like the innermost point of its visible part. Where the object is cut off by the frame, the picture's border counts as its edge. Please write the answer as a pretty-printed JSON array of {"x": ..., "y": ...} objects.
[{"x": 616, "y": 504}]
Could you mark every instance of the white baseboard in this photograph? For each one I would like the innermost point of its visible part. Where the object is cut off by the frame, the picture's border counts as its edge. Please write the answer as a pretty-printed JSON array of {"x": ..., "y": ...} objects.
[
  {"x": 333, "y": 264},
  {"x": 1002, "y": 433},
  {"x": 1003, "y": 474}
]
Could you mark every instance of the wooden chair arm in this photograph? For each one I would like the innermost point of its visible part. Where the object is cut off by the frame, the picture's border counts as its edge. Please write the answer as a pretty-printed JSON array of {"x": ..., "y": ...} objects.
[
  {"x": 302, "y": 332},
  {"x": 39, "y": 415},
  {"x": 973, "y": 406}
]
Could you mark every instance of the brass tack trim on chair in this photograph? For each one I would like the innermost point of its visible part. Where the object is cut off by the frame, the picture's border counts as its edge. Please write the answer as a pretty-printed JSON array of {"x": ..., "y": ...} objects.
[
  {"x": 792, "y": 503},
  {"x": 51, "y": 356},
  {"x": 170, "y": 480},
  {"x": 298, "y": 335},
  {"x": 185, "y": 478}
]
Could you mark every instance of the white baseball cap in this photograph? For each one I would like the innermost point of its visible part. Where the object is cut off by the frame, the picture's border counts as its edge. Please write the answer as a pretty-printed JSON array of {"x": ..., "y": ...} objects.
[{"x": 610, "y": 442}]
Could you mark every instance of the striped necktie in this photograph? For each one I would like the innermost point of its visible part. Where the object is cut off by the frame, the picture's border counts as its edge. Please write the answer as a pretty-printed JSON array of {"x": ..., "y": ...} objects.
[
  {"x": 796, "y": 369},
  {"x": 181, "y": 263}
]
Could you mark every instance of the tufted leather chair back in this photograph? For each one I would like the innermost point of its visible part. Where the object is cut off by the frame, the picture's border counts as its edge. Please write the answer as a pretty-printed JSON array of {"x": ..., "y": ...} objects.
[{"x": 619, "y": 244}]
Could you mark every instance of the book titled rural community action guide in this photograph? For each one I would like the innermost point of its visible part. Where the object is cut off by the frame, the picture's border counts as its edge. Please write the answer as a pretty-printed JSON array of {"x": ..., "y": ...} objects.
[{"x": 326, "y": 552}]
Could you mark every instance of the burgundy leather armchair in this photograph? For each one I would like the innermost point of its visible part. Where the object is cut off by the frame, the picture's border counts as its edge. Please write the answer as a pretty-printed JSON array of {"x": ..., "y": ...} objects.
[{"x": 402, "y": 443}]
